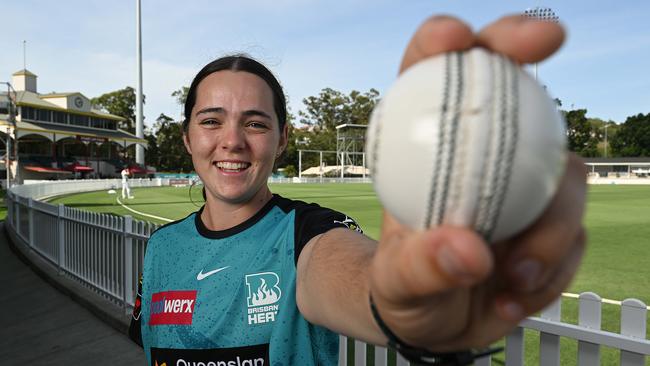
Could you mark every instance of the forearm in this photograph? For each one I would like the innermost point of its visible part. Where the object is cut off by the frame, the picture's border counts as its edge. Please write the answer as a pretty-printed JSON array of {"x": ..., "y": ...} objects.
[{"x": 333, "y": 284}]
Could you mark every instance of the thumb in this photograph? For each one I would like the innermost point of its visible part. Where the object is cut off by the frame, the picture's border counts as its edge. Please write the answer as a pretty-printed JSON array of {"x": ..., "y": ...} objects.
[{"x": 411, "y": 266}]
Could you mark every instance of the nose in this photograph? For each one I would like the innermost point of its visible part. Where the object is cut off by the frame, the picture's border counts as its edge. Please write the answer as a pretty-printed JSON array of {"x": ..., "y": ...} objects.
[{"x": 233, "y": 137}]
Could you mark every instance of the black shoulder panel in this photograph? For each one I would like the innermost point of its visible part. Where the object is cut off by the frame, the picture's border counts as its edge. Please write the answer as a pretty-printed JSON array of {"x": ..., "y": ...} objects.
[{"x": 312, "y": 220}]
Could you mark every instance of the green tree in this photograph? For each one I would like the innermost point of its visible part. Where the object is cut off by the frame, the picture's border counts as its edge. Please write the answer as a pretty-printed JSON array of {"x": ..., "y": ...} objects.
[
  {"x": 633, "y": 137},
  {"x": 583, "y": 139},
  {"x": 321, "y": 115},
  {"x": 120, "y": 103},
  {"x": 151, "y": 157},
  {"x": 172, "y": 155},
  {"x": 181, "y": 95},
  {"x": 290, "y": 171},
  {"x": 331, "y": 108},
  {"x": 604, "y": 130},
  {"x": 290, "y": 155}
]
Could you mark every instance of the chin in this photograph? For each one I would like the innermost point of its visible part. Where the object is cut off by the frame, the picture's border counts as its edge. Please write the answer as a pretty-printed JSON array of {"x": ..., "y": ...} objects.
[{"x": 233, "y": 196}]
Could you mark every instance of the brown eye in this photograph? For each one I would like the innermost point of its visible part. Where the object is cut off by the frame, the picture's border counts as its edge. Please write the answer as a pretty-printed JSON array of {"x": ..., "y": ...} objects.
[
  {"x": 210, "y": 122},
  {"x": 257, "y": 125}
]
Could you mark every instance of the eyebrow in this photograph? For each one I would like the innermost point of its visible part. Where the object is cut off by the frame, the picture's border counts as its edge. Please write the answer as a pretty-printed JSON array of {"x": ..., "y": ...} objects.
[{"x": 247, "y": 113}]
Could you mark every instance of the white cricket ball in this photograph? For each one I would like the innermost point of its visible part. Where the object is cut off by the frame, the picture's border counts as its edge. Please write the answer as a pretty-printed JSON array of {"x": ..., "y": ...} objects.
[{"x": 467, "y": 139}]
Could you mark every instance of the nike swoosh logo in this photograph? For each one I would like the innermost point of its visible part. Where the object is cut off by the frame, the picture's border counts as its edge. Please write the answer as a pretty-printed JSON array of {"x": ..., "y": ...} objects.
[{"x": 202, "y": 275}]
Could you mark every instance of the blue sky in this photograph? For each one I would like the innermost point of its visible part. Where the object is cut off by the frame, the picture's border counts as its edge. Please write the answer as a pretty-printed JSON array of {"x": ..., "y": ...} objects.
[{"x": 89, "y": 46}]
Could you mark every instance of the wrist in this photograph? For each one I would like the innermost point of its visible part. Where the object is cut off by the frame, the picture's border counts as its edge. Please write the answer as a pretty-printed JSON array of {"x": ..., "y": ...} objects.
[{"x": 421, "y": 356}]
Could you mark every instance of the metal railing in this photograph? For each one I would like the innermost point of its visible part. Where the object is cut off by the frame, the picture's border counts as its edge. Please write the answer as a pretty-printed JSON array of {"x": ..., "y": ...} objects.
[
  {"x": 101, "y": 251},
  {"x": 105, "y": 253}
]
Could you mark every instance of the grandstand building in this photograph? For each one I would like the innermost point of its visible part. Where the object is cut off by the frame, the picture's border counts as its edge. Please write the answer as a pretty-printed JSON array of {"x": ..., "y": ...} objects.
[
  {"x": 58, "y": 135},
  {"x": 633, "y": 167}
]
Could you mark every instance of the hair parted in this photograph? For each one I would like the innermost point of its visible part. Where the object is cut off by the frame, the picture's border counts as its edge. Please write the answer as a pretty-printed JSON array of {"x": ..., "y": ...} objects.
[{"x": 238, "y": 62}]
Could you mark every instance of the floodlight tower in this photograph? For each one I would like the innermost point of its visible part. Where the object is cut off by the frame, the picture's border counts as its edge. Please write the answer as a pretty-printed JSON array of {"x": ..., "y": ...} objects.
[
  {"x": 544, "y": 14},
  {"x": 139, "y": 131},
  {"x": 350, "y": 139}
]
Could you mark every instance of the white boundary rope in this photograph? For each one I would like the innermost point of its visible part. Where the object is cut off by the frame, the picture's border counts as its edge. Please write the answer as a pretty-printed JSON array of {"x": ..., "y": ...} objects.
[
  {"x": 606, "y": 301},
  {"x": 142, "y": 213}
]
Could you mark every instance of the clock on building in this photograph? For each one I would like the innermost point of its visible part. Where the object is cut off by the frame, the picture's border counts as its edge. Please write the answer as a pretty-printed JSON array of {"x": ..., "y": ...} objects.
[{"x": 78, "y": 102}]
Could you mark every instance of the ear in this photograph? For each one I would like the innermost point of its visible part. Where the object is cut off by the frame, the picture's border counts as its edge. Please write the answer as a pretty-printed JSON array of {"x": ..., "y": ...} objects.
[
  {"x": 284, "y": 139},
  {"x": 186, "y": 141}
]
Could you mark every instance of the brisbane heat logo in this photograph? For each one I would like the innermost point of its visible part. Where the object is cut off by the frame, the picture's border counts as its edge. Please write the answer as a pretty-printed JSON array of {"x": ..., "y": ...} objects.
[
  {"x": 263, "y": 294},
  {"x": 172, "y": 307}
]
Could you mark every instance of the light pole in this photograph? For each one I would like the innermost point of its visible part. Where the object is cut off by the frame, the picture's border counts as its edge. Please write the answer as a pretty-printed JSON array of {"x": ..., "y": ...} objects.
[
  {"x": 606, "y": 125},
  {"x": 139, "y": 149},
  {"x": 543, "y": 14}
]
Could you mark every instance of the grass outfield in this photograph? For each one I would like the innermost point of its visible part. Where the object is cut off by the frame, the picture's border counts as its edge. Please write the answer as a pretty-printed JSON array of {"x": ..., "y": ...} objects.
[{"x": 615, "y": 265}]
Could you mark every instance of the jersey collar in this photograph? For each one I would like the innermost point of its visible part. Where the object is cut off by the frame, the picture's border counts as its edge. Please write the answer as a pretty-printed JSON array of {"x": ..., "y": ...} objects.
[{"x": 221, "y": 234}]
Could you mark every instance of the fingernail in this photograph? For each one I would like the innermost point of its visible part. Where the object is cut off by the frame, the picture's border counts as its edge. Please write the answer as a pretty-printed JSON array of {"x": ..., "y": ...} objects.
[
  {"x": 450, "y": 264},
  {"x": 527, "y": 273}
]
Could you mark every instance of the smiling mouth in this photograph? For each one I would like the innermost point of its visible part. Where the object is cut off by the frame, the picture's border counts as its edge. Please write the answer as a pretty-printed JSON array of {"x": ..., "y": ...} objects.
[{"x": 231, "y": 167}]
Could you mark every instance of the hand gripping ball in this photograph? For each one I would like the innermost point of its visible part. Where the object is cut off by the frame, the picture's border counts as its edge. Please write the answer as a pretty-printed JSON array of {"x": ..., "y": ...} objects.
[{"x": 466, "y": 139}]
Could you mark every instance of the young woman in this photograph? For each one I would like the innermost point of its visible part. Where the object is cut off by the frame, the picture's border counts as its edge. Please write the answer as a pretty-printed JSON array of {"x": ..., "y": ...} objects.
[{"x": 257, "y": 279}]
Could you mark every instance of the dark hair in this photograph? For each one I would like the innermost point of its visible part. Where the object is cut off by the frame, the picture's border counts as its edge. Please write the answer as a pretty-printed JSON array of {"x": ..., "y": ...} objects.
[{"x": 238, "y": 62}]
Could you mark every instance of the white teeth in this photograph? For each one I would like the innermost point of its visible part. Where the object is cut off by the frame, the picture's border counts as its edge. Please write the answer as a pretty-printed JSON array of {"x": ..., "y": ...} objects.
[{"x": 231, "y": 166}]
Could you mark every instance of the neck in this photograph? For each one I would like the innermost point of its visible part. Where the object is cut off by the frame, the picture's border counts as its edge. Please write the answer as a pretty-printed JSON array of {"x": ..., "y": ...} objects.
[{"x": 221, "y": 215}]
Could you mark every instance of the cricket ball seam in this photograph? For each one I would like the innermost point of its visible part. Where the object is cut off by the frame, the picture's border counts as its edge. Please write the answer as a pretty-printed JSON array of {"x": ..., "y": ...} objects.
[
  {"x": 486, "y": 185},
  {"x": 438, "y": 156},
  {"x": 453, "y": 136}
]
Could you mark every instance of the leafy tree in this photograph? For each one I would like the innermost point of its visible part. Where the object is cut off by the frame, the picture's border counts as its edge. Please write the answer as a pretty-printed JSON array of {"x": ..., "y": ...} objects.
[
  {"x": 633, "y": 137},
  {"x": 331, "y": 108},
  {"x": 583, "y": 139},
  {"x": 604, "y": 130},
  {"x": 323, "y": 113},
  {"x": 290, "y": 155},
  {"x": 120, "y": 103},
  {"x": 151, "y": 157},
  {"x": 172, "y": 155},
  {"x": 290, "y": 171},
  {"x": 181, "y": 95}
]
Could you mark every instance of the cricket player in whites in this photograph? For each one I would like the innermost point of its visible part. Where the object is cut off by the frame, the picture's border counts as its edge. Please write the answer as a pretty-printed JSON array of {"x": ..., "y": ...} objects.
[{"x": 126, "y": 191}]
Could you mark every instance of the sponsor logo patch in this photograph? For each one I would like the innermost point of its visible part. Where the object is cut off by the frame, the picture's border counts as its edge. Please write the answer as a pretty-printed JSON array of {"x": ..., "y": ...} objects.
[
  {"x": 263, "y": 294},
  {"x": 172, "y": 307},
  {"x": 239, "y": 356}
]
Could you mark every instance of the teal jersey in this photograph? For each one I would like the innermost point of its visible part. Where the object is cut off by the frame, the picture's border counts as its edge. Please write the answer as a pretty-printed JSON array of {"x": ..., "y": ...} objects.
[{"x": 228, "y": 298}]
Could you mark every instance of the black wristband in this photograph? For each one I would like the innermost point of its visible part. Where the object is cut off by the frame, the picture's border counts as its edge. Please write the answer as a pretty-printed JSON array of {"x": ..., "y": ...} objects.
[{"x": 421, "y": 356}]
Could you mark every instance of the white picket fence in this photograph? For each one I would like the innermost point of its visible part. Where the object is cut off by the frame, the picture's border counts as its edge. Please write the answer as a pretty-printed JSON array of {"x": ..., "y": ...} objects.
[{"x": 105, "y": 253}]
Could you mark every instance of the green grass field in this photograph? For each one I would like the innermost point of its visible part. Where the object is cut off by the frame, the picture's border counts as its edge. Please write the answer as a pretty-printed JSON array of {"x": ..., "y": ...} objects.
[{"x": 615, "y": 265}]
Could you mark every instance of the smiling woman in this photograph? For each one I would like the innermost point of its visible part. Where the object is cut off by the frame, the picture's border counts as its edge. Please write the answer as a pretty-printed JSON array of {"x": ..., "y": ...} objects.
[{"x": 234, "y": 129}]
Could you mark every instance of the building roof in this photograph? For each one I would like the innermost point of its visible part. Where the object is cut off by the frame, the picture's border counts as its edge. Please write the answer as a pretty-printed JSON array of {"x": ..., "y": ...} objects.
[
  {"x": 57, "y": 95},
  {"x": 80, "y": 130},
  {"x": 24, "y": 72},
  {"x": 37, "y": 100},
  {"x": 54, "y": 131},
  {"x": 630, "y": 160},
  {"x": 33, "y": 99}
]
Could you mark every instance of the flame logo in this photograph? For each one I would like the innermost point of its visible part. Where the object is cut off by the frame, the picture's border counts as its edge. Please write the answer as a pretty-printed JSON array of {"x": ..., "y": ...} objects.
[{"x": 263, "y": 288}]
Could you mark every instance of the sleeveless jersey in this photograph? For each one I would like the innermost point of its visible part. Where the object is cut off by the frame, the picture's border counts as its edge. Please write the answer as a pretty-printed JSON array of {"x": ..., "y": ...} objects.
[{"x": 228, "y": 298}]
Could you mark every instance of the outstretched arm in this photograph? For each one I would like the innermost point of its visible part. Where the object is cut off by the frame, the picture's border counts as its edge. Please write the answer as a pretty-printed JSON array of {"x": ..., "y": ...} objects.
[{"x": 445, "y": 289}]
